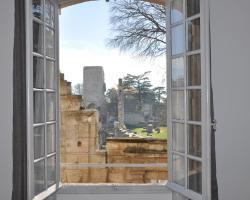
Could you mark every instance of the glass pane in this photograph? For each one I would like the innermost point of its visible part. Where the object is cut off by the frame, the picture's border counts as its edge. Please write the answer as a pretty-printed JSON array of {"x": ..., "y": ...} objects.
[
  {"x": 193, "y": 7},
  {"x": 37, "y": 9},
  {"x": 39, "y": 142},
  {"x": 38, "y": 103},
  {"x": 39, "y": 177},
  {"x": 178, "y": 72},
  {"x": 50, "y": 75},
  {"x": 37, "y": 38},
  {"x": 49, "y": 13},
  {"x": 51, "y": 170},
  {"x": 178, "y": 39},
  {"x": 194, "y": 70},
  {"x": 178, "y": 105},
  {"x": 195, "y": 176},
  {"x": 51, "y": 138},
  {"x": 194, "y": 140},
  {"x": 193, "y": 34},
  {"x": 177, "y": 11},
  {"x": 50, "y": 42},
  {"x": 51, "y": 106},
  {"x": 194, "y": 105},
  {"x": 179, "y": 170},
  {"x": 38, "y": 73},
  {"x": 178, "y": 137}
]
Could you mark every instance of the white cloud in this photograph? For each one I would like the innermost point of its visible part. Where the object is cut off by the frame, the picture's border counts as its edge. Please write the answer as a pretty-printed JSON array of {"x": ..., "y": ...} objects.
[{"x": 115, "y": 65}]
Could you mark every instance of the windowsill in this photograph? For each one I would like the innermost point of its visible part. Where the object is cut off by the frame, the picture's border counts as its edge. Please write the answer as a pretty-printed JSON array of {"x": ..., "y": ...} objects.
[
  {"x": 112, "y": 192},
  {"x": 113, "y": 189}
]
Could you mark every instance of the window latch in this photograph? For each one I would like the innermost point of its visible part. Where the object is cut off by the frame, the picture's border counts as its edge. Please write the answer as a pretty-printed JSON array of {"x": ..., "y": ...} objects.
[{"x": 214, "y": 124}]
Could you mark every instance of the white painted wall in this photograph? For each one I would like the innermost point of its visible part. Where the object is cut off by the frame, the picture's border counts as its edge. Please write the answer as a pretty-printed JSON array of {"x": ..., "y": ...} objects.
[
  {"x": 6, "y": 69},
  {"x": 230, "y": 29}
]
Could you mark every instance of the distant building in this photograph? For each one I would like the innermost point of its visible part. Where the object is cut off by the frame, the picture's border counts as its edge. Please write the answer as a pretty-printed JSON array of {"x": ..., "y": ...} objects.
[
  {"x": 93, "y": 86},
  {"x": 135, "y": 115}
]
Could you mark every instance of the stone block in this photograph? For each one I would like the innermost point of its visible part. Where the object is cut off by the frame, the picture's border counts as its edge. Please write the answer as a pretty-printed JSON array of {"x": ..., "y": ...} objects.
[
  {"x": 98, "y": 175},
  {"x": 76, "y": 158},
  {"x": 116, "y": 175},
  {"x": 79, "y": 146},
  {"x": 95, "y": 158},
  {"x": 120, "y": 159},
  {"x": 77, "y": 175},
  {"x": 83, "y": 130}
]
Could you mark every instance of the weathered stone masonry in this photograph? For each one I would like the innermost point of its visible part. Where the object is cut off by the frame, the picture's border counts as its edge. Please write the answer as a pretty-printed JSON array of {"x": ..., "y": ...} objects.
[{"x": 79, "y": 144}]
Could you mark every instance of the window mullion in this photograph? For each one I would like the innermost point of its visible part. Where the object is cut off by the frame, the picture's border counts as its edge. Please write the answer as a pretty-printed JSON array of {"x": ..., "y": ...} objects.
[{"x": 45, "y": 95}]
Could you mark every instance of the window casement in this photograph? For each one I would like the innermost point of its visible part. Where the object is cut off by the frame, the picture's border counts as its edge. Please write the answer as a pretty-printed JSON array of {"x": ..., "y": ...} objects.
[
  {"x": 188, "y": 102},
  {"x": 188, "y": 92},
  {"x": 42, "y": 97}
]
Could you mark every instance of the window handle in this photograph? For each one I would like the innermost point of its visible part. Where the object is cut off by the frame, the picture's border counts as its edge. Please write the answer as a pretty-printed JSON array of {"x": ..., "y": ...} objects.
[{"x": 214, "y": 124}]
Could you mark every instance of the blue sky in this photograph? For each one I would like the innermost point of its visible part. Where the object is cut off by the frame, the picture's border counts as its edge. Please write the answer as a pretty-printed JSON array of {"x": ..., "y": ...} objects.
[{"x": 84, "y": 29}]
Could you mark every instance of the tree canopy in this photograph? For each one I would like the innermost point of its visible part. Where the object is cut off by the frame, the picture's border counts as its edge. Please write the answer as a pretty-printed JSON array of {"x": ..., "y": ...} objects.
[{"x": 138, "y": 26}]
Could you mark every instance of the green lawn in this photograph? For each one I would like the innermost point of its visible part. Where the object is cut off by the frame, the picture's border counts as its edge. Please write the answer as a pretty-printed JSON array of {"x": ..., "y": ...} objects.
[{"x": 162, "y": 135}]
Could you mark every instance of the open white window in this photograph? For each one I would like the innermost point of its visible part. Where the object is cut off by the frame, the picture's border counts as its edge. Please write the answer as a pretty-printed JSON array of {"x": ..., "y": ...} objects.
[
  {"x": 189, "y": 150},
  {"x": 42, "y": 94},
  {"x": 189, "y": 163}
]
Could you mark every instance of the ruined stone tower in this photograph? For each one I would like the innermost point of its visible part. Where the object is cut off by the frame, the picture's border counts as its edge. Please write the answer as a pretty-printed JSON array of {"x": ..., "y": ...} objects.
[{"x": 93, "y": 86}]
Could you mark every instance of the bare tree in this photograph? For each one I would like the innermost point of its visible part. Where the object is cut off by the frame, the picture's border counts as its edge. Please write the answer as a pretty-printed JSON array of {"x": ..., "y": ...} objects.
[{"x": 138, "y": 26}]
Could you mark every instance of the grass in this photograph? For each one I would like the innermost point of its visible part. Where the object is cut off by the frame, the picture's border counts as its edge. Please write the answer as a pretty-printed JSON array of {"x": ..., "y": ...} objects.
[{"x": 162, "y": 135}]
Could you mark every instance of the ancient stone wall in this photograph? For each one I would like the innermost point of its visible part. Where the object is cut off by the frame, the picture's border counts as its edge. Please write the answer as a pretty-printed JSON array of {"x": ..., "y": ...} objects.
[
  {"x": 79, "y": 138},
  {"x": 79, "y": 145},
  {"x": 137, "y": 151}
]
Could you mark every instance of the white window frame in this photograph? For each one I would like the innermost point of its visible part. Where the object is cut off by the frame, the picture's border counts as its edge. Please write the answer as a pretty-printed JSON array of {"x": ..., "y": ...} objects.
[
  {"x": 68, "y": 189},
  {"x": 205, "y": 102},
  {"x": 29, "y": 82},
  {"x": 205, "y": 55}
]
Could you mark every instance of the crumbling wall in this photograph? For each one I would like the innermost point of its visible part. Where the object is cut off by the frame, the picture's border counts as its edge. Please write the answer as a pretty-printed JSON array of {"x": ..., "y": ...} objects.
[
  {"x": 79, "y": 144},
  {"x": 137, "y": 151},
  {"x": 78, "y": 139}
]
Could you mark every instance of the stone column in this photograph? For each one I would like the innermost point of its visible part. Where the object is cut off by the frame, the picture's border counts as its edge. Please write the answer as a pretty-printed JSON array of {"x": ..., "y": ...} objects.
[{"x": 120, "y": 104}]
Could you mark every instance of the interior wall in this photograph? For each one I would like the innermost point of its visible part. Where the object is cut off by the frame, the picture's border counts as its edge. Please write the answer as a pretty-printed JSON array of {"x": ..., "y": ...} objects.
[
  {"x": 230, "y": 47},
  {"x": 6, "y": 69}
]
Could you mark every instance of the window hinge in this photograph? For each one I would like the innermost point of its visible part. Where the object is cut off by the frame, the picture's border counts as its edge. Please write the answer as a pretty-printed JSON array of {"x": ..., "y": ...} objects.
[{"x": 214, "y": 124}]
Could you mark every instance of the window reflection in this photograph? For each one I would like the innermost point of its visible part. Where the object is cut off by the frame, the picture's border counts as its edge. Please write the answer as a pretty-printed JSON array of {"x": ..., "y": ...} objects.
[
  {"x": 51, "y": 170},
  {"x": 195, "y": 176},
  {"x": 178, "y": 105},
  {"x": 37, "y": 9},
  {"x": 39, "y": 142},
  {"x": 178, "y": 39},
  {"x": 177, "y": 11},
  {"x": 51, "y": 106},
  {"x": 193, "y": 34},
  {"x": 39, "y": 177},
  {"x": 178, "y": 137},
  {"x": 50, "y": 74},
  {"x": 38, "y": 73},
  {"x": 194, "y": 140},
  {"x": 38, "y": 103},
  {"x": 194, "y": 105},
  {"x": 37, "y": 38},
  {"x": 49, "y": 13},
  {"x": 179, "y": 170},
  {"x": 193, "y": 7},
  {"x": 50, "y": 42},
  {"x": 194, "y": 70},
  {"x": 51, "y": 138},
  {"x": 178, "y": 72}
]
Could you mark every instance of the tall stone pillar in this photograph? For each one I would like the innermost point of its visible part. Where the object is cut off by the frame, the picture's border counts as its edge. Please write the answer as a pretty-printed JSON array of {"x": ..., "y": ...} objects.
[{"x": 121, "y": 104}]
